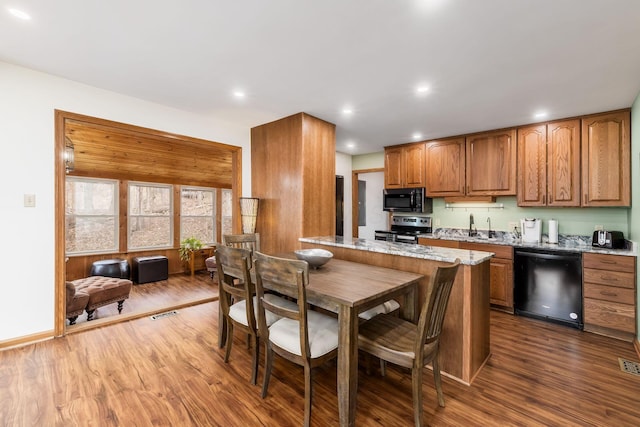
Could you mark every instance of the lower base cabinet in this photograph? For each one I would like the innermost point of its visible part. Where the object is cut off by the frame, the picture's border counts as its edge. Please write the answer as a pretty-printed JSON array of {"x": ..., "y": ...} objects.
[
  {"x": 609, "y": 288},
  {"x": 500, "y": 270}
]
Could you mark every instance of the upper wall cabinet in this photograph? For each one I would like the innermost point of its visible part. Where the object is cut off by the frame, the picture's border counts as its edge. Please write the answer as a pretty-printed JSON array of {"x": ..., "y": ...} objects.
[
  {"x": 606, "y": 159},
  {"x": 404, "y": 166},
  {"x": 491, "y": 163},
  {"x": 445, "y": 167},
  {"x": 549, "y": 164}
]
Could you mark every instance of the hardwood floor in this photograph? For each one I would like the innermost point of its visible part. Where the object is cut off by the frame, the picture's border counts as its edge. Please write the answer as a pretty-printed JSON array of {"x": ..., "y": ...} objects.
[
  {"x": 178, "y": 290},
  {"x": 170, "y": 372}
]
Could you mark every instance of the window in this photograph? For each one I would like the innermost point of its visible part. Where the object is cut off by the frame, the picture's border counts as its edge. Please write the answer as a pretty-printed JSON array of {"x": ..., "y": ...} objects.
[
  {"x": 198, "y": 214},
  {"x": 226, "y": 220},
  {"x": 150, "y": 216},
  {"x": 91, "y": 215}
]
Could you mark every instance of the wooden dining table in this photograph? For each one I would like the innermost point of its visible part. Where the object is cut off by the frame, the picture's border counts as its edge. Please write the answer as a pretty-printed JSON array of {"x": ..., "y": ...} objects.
[{"x": 348, "y": 288}]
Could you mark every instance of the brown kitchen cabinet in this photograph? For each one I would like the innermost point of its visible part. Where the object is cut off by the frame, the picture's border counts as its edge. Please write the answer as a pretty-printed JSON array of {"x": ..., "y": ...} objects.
[
  {"x": 445, "y": 175},
  {"x": 404, "y": 166},
  {"x": 609, "y": 287},
  {"x": 500, "y": 268},
  {"x": 549, "y": 164},
  {"x": 500, "y": 272},
  {"x": 491, "y": 163},
  {"x": 606, "y": 159}
]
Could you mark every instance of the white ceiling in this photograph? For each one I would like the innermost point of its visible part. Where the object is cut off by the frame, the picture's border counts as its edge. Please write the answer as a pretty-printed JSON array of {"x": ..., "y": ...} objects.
[{"x": 488, "y": 63}]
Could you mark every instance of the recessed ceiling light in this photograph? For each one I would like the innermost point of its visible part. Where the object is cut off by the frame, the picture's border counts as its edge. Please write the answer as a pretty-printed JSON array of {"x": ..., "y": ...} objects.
[
  {"x": 540, "y": 114},
  {"x": 422, "y": 89},
  {"x": 351, "y": 145},
  {"x": 19, "y": 14},
  {"x": 347, "y": 110},
  {"x": 416, "y": 135},
  {"x": 239, "y": 94}
]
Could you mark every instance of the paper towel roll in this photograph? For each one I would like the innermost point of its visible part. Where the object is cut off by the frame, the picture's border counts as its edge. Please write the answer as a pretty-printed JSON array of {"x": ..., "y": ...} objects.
[{"x": 553, "y": 231}]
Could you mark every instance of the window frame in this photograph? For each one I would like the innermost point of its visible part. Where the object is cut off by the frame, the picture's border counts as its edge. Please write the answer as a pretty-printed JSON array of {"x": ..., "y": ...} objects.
[{"x": 116, "y": 215}]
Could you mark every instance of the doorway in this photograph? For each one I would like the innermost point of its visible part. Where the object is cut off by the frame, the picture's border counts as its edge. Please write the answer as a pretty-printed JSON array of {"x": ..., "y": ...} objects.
[
  {"x": 124, "y": 152},
  {"x": 378, "y": 217}
]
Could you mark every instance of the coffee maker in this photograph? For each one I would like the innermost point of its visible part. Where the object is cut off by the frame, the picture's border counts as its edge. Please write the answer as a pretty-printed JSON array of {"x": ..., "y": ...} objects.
[{"x": 531, "y": 230}]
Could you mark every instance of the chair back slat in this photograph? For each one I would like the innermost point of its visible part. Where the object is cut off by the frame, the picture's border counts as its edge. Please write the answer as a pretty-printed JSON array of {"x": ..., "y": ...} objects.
[
  {"x": 234, "y": 279},
  {"x": 245, "y": 241},
  {"x": 435, "y": 306},
  {"x": 274, "y": 272}
]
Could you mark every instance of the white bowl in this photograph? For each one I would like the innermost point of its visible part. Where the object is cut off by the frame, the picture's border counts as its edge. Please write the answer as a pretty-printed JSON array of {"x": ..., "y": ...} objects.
[{"x": 315, "y": 257}]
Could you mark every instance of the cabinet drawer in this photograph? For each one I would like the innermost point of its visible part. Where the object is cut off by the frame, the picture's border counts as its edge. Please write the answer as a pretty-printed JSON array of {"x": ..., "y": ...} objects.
[
  {"x": 501, "y": 251},
  {"x": 609, "y": 278},
  {"x": 438, "y": 242},
  {"x": 609, "y": 262},
  {"x": 610, "y": 293},
  {"x": 610, "y": 315}
]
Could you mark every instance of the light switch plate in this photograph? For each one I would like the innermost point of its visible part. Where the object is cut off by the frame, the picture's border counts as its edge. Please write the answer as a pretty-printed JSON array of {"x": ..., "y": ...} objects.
[
  {"x": 29, "y": 200},
  {"x": 436, "y": 222}
]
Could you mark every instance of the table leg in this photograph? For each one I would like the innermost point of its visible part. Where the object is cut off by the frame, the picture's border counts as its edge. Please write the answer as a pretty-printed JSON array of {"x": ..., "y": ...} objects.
[
  {"x": 347, "y": 365},
  {"x": 192, "y": 262},
  {"x": 410, "y": 307},
  {"x": 222, "y": 328}
]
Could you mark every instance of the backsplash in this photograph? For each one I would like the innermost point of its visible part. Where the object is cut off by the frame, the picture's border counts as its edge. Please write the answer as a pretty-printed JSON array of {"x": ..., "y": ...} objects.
[{"x": 508, "y": 237}]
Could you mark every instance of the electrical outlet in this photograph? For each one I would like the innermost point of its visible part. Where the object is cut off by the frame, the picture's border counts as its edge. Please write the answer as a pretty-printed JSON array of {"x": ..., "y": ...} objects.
[
  {"x": 598, "y": 228},
  {"x": 513, "y": 225},
  {"x": 436, "y": 222}
]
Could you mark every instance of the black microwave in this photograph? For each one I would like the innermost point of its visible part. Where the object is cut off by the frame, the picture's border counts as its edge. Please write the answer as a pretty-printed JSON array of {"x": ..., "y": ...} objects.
[{"x": 406, "y": 200}]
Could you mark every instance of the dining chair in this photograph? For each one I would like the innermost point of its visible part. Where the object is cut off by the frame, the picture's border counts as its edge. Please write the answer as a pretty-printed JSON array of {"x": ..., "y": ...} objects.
[
  {"x": 412, "y": 346},
  {"x": 246, "y": 241},
  {"x": 238, "y": 301},
  {"x": 304, "y": 337}
]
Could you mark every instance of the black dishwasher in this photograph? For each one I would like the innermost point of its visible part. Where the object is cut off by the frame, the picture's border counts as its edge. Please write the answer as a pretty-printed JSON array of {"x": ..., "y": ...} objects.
[{"x": 548, "y": 285}]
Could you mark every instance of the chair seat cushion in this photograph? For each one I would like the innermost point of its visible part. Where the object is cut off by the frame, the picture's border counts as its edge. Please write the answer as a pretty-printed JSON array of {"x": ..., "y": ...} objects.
[
  {"x": 211, "y": 263},
  {"x": 323, "y": 334},
  {"x": 238, "y": 311},
  {"x": 384, "y": 308}
]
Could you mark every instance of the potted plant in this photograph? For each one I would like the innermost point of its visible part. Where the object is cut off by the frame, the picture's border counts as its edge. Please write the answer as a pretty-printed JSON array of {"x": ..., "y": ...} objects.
[{"x": 187, "y": 246}]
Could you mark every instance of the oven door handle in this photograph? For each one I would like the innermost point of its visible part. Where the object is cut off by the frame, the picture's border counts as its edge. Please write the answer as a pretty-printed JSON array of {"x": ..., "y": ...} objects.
[{"x": 546, "y": 256}]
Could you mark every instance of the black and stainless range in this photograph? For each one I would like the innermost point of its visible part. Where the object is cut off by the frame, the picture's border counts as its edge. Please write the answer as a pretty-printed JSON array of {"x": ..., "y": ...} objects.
[{"x": 405, "y": 229}]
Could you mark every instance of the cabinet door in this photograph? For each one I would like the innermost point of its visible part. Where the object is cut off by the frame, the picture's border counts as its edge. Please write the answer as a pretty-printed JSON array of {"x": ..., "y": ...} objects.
[
  {"x": 393, "y": 167},
  {"x": 563, "y": 160},
  {"x": 491, "y": 164},
  {"x": 606, "y": 160},
  {"x": 414, "y": 161},
  {"x": 445, "y": 167},
  {"x": 532, "y": 166},
  {"x": 501, "y": 272}
]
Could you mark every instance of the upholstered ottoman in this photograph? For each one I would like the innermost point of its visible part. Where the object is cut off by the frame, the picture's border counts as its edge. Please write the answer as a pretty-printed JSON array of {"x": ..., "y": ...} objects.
[
  {"x": 118, "y": 268},
  {"x": 103, "y": 291},
  {"x": 150, "y": 268}
]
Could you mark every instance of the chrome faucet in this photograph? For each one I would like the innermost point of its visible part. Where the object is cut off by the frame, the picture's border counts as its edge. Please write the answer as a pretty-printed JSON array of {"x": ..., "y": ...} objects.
[
  {"x": 491, "y": 232},
  {"x": 472, "y": 232}
]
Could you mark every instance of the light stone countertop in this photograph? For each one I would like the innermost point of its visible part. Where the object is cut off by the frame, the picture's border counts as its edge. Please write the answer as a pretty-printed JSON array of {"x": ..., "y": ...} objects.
[
  {"x": 432, "y": 253},
  {"x": 566, "y": 243}
]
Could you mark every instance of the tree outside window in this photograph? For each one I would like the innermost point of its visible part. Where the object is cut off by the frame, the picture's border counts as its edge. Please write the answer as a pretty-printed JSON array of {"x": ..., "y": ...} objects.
[
  {"x": 91, "y": 215},
  {"x": 198, "y": 214},
  {"x": 150, "y": 216}
]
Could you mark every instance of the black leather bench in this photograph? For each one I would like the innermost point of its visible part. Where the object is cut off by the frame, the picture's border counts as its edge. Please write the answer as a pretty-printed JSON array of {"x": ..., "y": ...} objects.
[
  {"x": 117, "y": 268},
  {"x": 150, "y": 268}
]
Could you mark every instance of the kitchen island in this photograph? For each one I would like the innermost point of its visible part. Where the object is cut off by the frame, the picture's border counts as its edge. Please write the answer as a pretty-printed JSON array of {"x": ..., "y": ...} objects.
[{"x": 464, "y": 344}]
